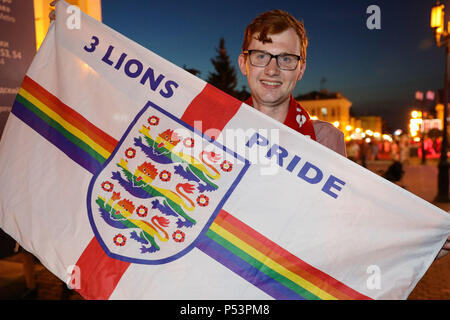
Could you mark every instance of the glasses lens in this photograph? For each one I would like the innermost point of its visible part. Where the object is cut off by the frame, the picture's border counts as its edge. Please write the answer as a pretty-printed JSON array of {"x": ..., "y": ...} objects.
[
  {"x": 259, "y": 58},
  {"x": 287, "y": 61}
]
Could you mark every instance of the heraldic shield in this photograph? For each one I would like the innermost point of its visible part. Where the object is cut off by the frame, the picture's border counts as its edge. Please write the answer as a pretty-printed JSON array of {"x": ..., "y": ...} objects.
[{"x": 160, "y": 189}]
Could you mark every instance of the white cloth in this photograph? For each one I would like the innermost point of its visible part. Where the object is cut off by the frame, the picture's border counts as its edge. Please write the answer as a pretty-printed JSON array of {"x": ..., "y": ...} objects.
[{"x": 287, "y": 192}]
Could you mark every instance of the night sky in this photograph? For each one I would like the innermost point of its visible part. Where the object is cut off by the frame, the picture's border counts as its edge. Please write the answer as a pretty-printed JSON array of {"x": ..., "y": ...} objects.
[{"x": 377, "y": 70}]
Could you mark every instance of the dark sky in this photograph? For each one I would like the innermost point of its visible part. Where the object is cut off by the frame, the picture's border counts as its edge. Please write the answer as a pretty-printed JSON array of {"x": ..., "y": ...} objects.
[{"x": 377, "y": 70}]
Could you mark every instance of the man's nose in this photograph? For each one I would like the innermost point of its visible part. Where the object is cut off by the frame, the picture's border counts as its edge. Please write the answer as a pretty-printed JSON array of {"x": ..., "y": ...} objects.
[{"x": 272, "y": 67}]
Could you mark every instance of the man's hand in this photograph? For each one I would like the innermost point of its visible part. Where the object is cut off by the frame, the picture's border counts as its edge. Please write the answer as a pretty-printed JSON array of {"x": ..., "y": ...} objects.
[
  {"x": 445, "y": 249},
  {"x": 52, "y": 14}
]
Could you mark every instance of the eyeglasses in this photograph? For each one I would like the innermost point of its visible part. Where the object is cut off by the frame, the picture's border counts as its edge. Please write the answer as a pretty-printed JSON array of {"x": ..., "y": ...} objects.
[{"x": 285, "y": 61}]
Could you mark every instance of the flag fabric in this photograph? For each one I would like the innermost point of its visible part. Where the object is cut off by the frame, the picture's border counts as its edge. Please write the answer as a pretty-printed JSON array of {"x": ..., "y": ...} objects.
[{"x": 130, "y": 178}]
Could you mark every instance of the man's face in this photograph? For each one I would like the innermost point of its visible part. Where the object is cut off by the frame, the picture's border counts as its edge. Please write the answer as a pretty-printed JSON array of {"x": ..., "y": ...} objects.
[{"x": 271, "y": 86}]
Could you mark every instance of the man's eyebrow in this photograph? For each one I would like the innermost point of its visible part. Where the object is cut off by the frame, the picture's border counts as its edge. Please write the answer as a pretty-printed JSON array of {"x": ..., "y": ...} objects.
[{"x": 281, "y": 53}]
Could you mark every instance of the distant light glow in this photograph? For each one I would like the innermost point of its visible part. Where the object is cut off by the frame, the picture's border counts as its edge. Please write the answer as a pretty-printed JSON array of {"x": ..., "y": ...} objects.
[
  {"x": 437, "y": 20},
  {"x": 415, "y": 126},
  {"x": 419, "y": 95}
]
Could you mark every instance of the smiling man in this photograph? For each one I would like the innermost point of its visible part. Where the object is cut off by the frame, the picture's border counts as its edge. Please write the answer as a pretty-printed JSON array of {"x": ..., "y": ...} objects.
[{"x": 274, "y": 59}]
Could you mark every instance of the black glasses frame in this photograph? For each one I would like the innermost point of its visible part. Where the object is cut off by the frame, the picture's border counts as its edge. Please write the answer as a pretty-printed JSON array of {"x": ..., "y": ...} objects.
[{"x": 249, "y": 52}]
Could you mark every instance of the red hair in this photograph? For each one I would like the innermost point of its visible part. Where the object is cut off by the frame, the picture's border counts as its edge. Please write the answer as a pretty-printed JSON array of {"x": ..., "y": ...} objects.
[{"x": 274, "y": 22}]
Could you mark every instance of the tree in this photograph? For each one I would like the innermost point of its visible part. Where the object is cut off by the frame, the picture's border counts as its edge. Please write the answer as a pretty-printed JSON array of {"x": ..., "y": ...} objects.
[{"x": 224, "y": 77}]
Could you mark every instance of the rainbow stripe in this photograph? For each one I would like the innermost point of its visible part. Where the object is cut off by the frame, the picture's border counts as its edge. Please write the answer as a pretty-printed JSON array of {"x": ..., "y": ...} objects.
[
  {"x": 268, "y": 266},
  {"x": 69, "y": 131}
]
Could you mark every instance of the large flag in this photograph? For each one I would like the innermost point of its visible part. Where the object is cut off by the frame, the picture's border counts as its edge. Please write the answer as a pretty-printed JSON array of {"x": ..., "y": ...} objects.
[{"x": 136, "y": 180}]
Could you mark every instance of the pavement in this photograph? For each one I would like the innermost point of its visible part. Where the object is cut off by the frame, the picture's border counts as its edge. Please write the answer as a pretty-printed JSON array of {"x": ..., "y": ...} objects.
[{"x": 418, "y": 179}]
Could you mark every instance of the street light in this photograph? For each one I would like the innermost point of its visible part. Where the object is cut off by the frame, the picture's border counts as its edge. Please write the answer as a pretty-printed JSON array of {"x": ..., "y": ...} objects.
[
  {"x": 437, "y": 21},
  {"x": 442, "y": 39},
  {"x": 415, "y": 123}
]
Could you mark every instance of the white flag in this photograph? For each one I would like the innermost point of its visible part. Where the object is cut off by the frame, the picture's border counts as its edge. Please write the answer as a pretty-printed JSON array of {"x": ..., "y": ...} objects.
[{"x": 140, "y": 181}]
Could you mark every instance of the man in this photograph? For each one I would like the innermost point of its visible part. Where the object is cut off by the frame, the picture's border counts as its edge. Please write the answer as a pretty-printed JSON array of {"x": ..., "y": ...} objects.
[
  {"x": 274, "y": 59},
  {"x": 272, "y": 72},
  {"x": 272, "y": 38}
]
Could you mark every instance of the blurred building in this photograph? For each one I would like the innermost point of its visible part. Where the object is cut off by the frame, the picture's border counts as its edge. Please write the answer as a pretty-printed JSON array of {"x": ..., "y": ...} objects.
[
  {"x": 42, "y": 10},
  {"x": 332, "y": 107},
  {"x": 23, "y": 27},
  {"x": 373, "y": 123}
]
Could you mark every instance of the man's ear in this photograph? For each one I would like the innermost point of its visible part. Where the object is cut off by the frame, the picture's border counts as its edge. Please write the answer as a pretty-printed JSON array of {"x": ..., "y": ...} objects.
[
  {"x": 302, "y": 71},
  {"x": 242, "y": 64}
]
